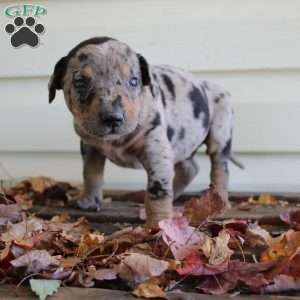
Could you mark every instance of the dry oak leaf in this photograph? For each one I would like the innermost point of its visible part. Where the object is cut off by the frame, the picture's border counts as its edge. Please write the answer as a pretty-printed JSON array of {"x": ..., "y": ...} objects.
[
  {"x": 220, "y": 251},
  {"x": 35, "y": 261},
  {"x": 150, "y": 289},
  {"x": 136, "y": 268},
  {"x": 9, "y": 213},
  {"x": 88, "y": 242},
  {"x": 197, "y": 210}
]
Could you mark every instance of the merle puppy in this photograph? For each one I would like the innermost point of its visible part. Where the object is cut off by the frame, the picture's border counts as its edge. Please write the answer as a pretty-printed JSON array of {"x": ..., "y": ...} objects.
[{"x": 139, "y": 115}]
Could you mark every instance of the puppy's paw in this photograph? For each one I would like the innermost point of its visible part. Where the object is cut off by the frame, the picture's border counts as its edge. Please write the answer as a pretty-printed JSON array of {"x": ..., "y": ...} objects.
[{"x": 92, "y": 203}]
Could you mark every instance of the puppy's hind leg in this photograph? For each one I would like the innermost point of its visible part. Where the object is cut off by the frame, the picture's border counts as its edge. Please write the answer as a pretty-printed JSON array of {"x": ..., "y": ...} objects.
[
  {"x": 185, "y": 172},
  {"x": 219, "y": 143}
]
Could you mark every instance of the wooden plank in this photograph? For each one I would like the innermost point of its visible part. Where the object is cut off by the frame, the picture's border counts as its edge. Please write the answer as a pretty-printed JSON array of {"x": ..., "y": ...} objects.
[
  {"x": 118, "y": 212},
  {"x": 129, "y": 212},
  {"x": 9, "y": 292}
]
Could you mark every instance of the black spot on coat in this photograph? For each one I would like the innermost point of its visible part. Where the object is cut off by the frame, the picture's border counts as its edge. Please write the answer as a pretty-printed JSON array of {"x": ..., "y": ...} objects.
[
  {"x": 200, "y": 105},
  {"x": 156, "y": 190},
  {"x": 181, "y": 133},
  {"x": 170, "y": 133},
  {"x": 156, "y": 121},
  {"x": 227, "y": 149},
  {"x": 169, "y": 84},
  {"x": 163, "y": 97}
]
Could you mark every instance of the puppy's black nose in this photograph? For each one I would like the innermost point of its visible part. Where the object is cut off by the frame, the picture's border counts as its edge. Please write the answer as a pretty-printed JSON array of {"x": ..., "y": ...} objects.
[{"x": 113, "y": 119}]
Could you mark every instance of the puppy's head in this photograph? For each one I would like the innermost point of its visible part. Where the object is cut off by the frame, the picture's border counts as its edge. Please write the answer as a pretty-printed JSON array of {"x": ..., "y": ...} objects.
[{"x": 102, "y": 80}]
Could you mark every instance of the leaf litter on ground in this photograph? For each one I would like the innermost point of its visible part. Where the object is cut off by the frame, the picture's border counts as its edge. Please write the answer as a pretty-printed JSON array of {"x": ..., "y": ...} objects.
[{"x": 147, "y": 261}]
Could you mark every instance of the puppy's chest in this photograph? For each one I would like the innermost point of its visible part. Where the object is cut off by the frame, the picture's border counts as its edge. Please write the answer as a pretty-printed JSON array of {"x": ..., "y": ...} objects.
[{"x": 123, "y": 155}]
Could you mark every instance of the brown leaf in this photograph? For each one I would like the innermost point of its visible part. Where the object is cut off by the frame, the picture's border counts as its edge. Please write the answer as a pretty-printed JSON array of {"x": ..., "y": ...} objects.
[
  {"x": 216, "y": 285},
  {"x": 69, "y": 262},
  {"x": 88, "y": 242},
  {"x": 264, "y": 199},
  {"x": 256, "y": 236},
  {"x": 40, "y": 184},
  {"x": 292, "y": 218},
  {"x": 197, "y": 210},
  {"x": 150, "y": 289},
  {"x": 35, "y": 261},
  {"x": 18, "y": 231},
  {"x": 102, "y": 274},
  {"x": 282, "y": 247},
  {"x": 9, "y": 213},
  {"x": 137, "y": 268}
]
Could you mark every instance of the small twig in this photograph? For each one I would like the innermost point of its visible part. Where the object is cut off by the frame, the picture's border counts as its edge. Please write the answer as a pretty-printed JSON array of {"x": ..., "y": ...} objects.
[
  {"x": 178, "y": 282},
  {"x": 25, "y": 278}
]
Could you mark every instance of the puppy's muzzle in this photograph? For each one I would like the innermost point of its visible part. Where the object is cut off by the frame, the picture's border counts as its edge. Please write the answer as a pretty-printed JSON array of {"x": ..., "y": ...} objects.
[{"x": 112, "y": 120}]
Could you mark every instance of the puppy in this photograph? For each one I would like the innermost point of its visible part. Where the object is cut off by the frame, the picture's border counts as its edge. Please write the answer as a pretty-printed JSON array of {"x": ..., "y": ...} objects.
[{"x": 143, "y": 116}]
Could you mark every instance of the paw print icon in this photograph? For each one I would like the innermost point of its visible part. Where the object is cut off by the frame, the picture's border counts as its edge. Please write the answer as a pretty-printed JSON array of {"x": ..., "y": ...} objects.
[{"x": 24, "y": 32}]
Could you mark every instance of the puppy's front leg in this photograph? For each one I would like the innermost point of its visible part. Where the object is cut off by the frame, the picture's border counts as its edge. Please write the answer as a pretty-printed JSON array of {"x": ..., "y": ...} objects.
[
  {"x": 158, "y": 163},
  {"x": 93, "y": 168}
]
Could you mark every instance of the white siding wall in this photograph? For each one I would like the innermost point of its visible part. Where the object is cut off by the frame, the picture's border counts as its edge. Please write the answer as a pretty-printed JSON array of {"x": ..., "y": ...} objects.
[{"x": 250, "y": 47}]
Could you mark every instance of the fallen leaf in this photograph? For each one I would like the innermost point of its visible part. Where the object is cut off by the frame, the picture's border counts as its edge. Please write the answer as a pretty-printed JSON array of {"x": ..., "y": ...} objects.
[
  {"x": 150, "y": 289},
  {"x": 196, "y": 264},
  {"x": 283, "y": 247},
  {"x": 88, "y": 242},
  {"x": 220, "y": 251},
  {"x": 35, "y": 261},
  {"x": 256, "y": 235},
  {"x": 69, "y": 262},
  {"x": 264, "y": 199},
  {"x": 282, "y": 283},
  {"x": 101, "y": 274},
  {"x": 137, "y": 268},
  {"x": 197, "y": 210},
  {"x": 179, "y": 236},
  {"x": 44, "y": 288},
  {"x": 216, "y": 285},
  {"x": 18, "y": 231},
  {"x": 40, "y": 184},
  {"x": 9, "y": 213},
  {"x": 292, "y": 218}
]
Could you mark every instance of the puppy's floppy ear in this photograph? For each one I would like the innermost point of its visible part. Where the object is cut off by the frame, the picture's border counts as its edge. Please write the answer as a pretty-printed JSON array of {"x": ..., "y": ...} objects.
[
  {"x": 55, "y": 82},
  {"x": 144, "y": 70}
]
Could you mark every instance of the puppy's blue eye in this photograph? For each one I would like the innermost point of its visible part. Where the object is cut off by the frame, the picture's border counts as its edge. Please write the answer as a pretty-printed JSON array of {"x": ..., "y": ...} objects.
[{"x": 133, "y": 82}]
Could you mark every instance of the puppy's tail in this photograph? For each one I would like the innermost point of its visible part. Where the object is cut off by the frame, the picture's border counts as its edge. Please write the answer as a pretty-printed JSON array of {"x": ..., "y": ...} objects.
[{"x": 236, "y": 162}]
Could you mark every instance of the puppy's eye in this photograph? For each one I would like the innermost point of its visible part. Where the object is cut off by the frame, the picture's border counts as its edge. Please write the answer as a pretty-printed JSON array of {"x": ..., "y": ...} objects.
[
  {"x": 82, "y": 86},
  {"x": 133, "y": 82}
]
